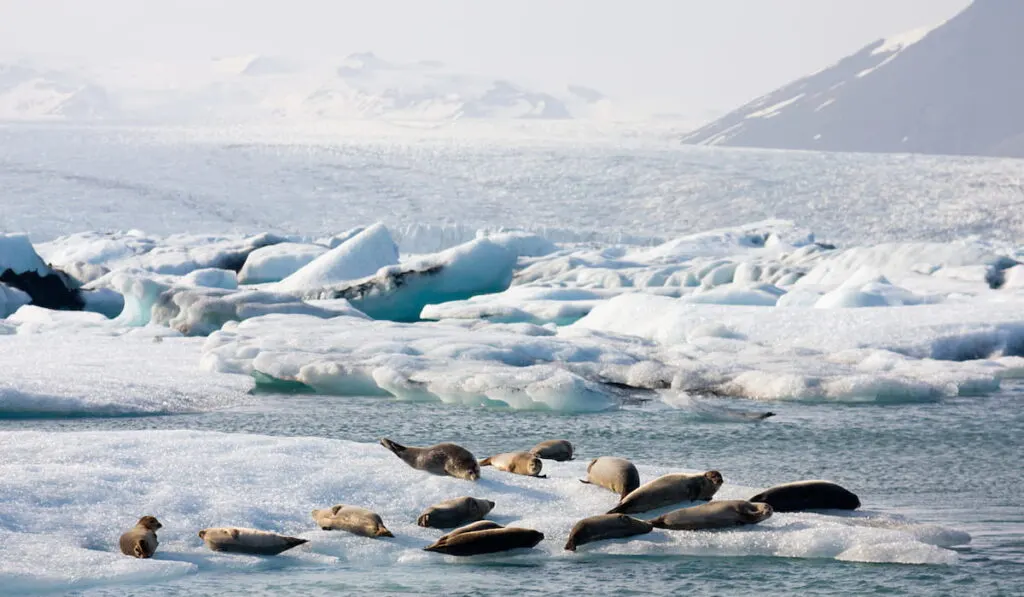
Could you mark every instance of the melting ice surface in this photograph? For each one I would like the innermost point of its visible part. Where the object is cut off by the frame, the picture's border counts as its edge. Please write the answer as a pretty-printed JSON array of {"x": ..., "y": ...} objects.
[{"x": 242, "y": 376}]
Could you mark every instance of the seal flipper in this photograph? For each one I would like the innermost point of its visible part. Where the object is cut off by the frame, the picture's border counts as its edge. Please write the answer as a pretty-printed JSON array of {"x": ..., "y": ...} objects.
[
  {"x": 139, "y": 551},
  {"x": 584, "y": 481},
  {"x": 486, "y": 461}
]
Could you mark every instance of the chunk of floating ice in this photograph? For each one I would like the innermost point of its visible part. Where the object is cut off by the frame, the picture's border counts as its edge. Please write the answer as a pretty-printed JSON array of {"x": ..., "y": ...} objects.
[
  {"x": 71, "y": 499},
  {"x": 276, "y": 262},
  {"x": 356, "y": 258},
  {"x": 528, "y": 304},
  {"x": 74, "y": 365},
  {"x": 400, "y": 292}
]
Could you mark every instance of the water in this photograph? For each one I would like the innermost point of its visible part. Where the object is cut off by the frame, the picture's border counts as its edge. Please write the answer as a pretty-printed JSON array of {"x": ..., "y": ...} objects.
[{"x": 954, "y": 463}]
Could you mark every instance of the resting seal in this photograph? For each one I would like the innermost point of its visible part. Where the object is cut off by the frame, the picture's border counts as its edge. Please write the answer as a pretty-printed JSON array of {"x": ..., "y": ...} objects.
[
  {"x": 713, "y": 515},
  {"x": 606, "y": 526},
  {"x": 251, "y": 541},
  {"x": 669, "y": 489},
  {"x": 519, "y": 463},
  {"x": 480, "y": 525},
  {"x": 554, "y": 449},
  {"x": 357, "y": 521},
  {"x": 455, "y": 512},
  {"x": 140, "y": 541},
  {"x": 487, "y": 541},
  {"x": 442, "y": 459},
  {"x": 808, "y": 495},
  {"x": 616, "y": 474}
]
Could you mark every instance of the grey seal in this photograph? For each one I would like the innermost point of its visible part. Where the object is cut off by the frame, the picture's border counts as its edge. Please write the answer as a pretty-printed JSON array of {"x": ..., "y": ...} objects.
[
  {"x": 615, "y": 474},
  {"x": 358, "y": 521},
  {"x": 713, "y": 515},
  {"x": 486, "y": 541},
  {"x": 519, "y": 463},
  {"x": 455, "y": 512},
  {"x": 606, "y": 526},
  {"x": 669, "y": 489},
  {"x": 559, "y": 450},
  {"x": 250, "y": 541},
  {"x": 441, "y": 459}
]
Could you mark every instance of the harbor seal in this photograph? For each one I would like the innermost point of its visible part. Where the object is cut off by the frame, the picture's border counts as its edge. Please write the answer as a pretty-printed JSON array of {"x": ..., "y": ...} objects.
[
  {"x": 140, "y": 541},
  {"x": 250, "y": 541},
  {"x": 455, "y": 512},
  {"x": 487, "y": 541},
  {"x": 518, "y": 463},
  {"x": 667, "y": 490},
  {"x": 808, "y": 495},
  {"x": 606, "y": 526},
  {"x": 480, "y": 525},
  {"x": 616, "y": 474},
  {"x": 357, "y": 521},
  {"x": 441, "y": 459},
  {"x": 713, "y": 515},
  {"x": 558, "y": 450}
]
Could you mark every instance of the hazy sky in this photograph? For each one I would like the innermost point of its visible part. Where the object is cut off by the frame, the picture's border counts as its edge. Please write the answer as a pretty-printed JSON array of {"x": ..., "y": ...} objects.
[{"x": 692, "y": 55}]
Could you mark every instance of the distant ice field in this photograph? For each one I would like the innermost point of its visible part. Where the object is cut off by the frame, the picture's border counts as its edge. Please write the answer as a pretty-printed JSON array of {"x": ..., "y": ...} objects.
[{"x": 597, "y": 181}]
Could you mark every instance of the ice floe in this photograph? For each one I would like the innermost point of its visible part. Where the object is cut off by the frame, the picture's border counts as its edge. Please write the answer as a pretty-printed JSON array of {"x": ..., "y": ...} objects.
[{"x": 70, "y": 500}]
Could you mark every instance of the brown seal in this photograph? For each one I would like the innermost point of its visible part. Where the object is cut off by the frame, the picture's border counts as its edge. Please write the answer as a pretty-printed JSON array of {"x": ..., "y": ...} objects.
[
  {"x": 669, "y": 489},
  {"x": 358, "y": 521},
  {"x": 713, "y": 515},
  {"x": 606, "y": 526},
  {"x": 250, "y": 541},
  {"x": 441, "y": 459},
  {"x": 519, "y": 463},
  {"x": 140, "y": 541},
  {"x": 808, "y": 495},
  {"x": 487, "y": 541},
  {"x": 455, "y": 512},
  {"x": 559, "y": 450},
  {"x": 616, "y": 474}
]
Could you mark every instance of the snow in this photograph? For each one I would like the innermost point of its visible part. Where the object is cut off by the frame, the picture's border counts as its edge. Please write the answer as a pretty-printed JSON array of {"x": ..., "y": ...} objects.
[
  {"x": 358, "y": 257},
  {"x": 774, "y": 109},
  {"x": 277, "y": 262},
  {"x": 70, "y": 500},
  {"x": 11, "y": 299},
  {"x": 902, "y": 41}
]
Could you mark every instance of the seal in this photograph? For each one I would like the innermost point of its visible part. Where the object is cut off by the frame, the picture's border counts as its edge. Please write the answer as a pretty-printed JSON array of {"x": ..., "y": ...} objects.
[
  {"x": 605, "y": 526},
  {"x": 441, "y": 459},
  {"x": 519, "y": 463},
  {"x": 616, "y": 474},
  {"x": 357, "y": 521},
  {"x": 140, "y": 541},
  {"x": 480, "y": 525},
  {"x": 250, "y": 541},
  {"x": 667, "y": 490},
  {"x": 558, "y": 450},
  {"x": 455, "y": 512},
  {"x": 713, "y": 515},
  {"x": 487, "y": 541},
  {"x": 808, "y": 495}
]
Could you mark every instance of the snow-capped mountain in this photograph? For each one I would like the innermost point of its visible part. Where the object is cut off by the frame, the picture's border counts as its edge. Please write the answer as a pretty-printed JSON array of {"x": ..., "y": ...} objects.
[
  {"x": 268, "y": 88},
  {"x": 957, "y": 88}
]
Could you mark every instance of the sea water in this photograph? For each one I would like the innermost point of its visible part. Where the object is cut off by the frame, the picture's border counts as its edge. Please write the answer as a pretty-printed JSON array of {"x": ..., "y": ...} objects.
[{"x": 955, "y": 463}]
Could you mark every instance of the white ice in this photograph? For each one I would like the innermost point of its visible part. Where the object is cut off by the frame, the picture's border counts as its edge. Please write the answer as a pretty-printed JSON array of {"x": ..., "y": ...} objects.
[
  {"x": 276, "y": 262},
  {"x": 69, "y": 501},
  {"x": 358, "y": 257},
  {"x": 19, "y": 256}
]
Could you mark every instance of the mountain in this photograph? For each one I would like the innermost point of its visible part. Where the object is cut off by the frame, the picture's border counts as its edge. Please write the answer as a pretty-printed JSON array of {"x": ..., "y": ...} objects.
[
  {"x": 954, "y": 89},
  {"x": 255, "y": 88}
]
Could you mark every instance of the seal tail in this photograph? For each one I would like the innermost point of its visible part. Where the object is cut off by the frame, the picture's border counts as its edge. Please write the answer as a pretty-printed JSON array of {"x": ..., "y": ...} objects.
[
  {"x": 437, "y": 545},
  {"x": 570, "y": 545},
  {"x": 584, "y": 481},
  {"x": 618, "y": 509},
  {"x": 658, "y": 523},
  {"x": 395, "y": 447},
  {"x": 486, "y": 461}
]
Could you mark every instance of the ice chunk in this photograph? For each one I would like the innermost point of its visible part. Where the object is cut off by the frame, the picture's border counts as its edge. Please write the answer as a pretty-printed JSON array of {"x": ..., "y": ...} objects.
[
  {"x": 400, "y": 292},
  {"x": 11, "y": 299},
  {"x": 211, "y": 278},
  {"x": 356, "y": 258},
  {"x": 530, "y": 304},
  {"x": 276, "y": 262}
]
